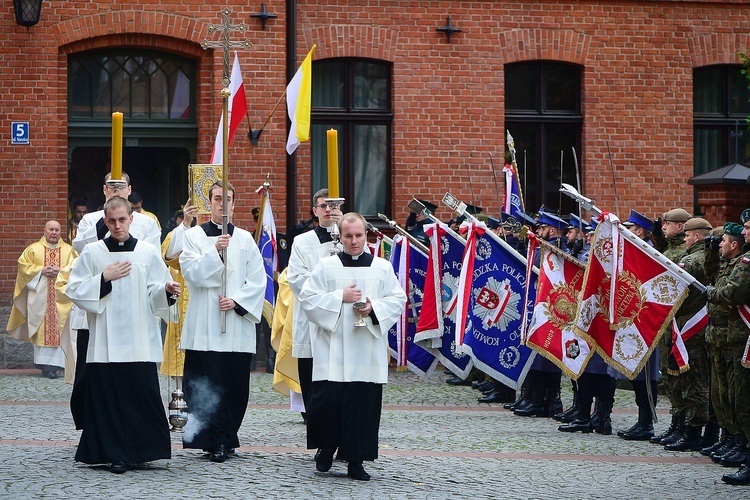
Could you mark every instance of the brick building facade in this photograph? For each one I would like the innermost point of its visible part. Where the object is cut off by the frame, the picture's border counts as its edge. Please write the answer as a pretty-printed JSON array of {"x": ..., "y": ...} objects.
[{"x": 448, "y": 104}]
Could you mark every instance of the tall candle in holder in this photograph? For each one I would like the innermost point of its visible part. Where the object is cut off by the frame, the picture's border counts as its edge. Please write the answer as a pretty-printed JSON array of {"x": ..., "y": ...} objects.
[
  {"x": 116, "y": 161},
  {"x": 333, "y": 163}
]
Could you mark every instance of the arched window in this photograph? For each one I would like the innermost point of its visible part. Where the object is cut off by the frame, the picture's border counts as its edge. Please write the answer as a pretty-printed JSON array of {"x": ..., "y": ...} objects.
[
  {"x": 721, "y": 103},
  {"x": 543, "y": 114},
  {"x": 353, "y": 96},
  {"x": 142, "y": 84}
]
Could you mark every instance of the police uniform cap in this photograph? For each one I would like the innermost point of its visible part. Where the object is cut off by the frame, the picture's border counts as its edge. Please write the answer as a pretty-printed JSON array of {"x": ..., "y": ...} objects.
[
  {"x": 640, "y": 220},
  {"x": 493, "y": 223},
  {"x": 733, "y": 229},
  {"x": 546, "y": 219},
  {"x": 745, "y": 216},
  {"x": 429, "y": 206},
  {"x": 526, "y": 220},
  {"x": 575, "y": 222},
  {"x": 676, "y": 215},
  {"x": 697, "y": 223}
]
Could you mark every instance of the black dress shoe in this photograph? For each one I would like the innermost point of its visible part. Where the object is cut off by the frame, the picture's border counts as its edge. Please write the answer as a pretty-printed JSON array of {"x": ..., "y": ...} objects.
[
  {"x": 532, "y": 410},
  {"x": 219, "y": 454},
  {"x": 118, "y": 467},
  {"x": 49, "y": 374},
  {"x": 741, "y": 477},
  {"x": 639, "y": 432},
  {"x": 356, "y": 471},
  {"x": 484, "y": 386},
  {"x": 578, "y": 425},
  {"x": 457, "y": 381},
  {"x": 324, "y": 460}
]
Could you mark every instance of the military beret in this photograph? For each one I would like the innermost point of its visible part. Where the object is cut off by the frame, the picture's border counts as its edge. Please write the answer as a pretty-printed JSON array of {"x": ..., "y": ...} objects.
[
  {"x": 697, "y": 223},
  {"x": 733, "y": 229},
  {"x": 745, "y": 215},
  {"x": 676, "y": 215}
]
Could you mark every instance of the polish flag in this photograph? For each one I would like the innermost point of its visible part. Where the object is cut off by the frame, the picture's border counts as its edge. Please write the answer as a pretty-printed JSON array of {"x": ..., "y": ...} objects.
[{"x": 237, "y": 111}]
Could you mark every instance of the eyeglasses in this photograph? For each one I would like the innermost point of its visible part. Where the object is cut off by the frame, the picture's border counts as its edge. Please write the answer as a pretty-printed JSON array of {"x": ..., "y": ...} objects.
[{"x": 323, "y": 206}]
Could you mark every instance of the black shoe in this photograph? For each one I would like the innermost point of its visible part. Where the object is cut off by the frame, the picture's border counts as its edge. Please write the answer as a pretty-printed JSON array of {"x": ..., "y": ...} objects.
[
  {"x": 119, "y": 467},
  {"x": 356, "y": 471},
  {"x": 458, "y": 381},
  {"x": 219, "y": 454},
  {"x": 578, "y": 425},
  {"x": 672, "y": 426},
  {"x": 533, "y": 410},
  {"x": 494, "y": 397},
  {"x": 49, "y": 374},
  {"x": 736, "y": 459},
  {"x": 603, "y": 426},
  {"x": 689, "y": 441},
  {"x": 324, "y": 460},
  {"x": 560, "y": 416},
  {"x": 726, "y": 449},
  {"x": 721, "y": 441},
  {"x": 741, "y": 477},
  {"x": 484, "y": 386},
  {"x": 639, "y": 432}
]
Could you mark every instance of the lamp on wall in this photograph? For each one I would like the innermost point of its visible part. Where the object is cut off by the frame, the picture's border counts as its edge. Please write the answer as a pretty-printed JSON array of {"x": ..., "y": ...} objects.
[{"x": 27, "y": 12}]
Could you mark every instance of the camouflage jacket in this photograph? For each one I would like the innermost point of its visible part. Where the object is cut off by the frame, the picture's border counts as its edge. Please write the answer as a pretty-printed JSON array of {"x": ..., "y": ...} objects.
[
  {"x": 731, "y": 290},
  {"x": 675, "y": 247},
  {"x": 692, "y": 263}
]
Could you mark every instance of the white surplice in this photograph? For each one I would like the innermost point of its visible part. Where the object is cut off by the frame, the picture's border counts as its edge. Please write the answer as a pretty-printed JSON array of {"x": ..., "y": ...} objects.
[
  {"x": 202, "y": 269},
  {"x": 341, "y": 351},
  {"x": 123, "y": 325}
]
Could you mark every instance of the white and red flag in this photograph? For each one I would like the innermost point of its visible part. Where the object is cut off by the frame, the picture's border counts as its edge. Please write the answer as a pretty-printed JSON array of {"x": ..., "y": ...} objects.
[
  {"x": 745, "y": 315},
  {"x": 698, "y": 322},
  {"x": 551, "y": 330},
  {"x": 624, "y": 318},
  {"x": 237, "y": 111}
]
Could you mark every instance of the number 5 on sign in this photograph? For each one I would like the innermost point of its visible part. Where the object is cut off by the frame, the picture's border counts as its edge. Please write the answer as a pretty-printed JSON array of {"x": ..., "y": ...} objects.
[{"x": 19, "y": 133}]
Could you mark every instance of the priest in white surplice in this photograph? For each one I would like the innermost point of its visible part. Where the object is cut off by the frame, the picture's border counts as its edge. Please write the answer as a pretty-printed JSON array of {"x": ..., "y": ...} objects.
[
  {"x": 350, "y": 362},
  {"x": 217, "y": 365},
  {"x": 122, "y": 283},
  {"x": 91, "y": 229}
]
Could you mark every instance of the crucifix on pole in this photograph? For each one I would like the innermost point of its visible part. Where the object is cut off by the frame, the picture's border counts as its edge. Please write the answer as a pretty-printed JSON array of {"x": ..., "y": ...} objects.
[{"x": 225, "y": 28}]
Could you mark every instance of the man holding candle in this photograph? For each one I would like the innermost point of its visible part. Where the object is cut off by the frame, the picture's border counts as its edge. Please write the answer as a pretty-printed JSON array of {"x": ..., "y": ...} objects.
[
  {"x": 307, "y": 250},
  {"x": 350, "y": 361},
  {"x": 219, "y": 329}
]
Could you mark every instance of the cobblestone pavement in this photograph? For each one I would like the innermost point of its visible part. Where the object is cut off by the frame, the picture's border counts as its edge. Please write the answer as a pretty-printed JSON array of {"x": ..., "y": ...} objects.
[{"x": 435, "y": 442}]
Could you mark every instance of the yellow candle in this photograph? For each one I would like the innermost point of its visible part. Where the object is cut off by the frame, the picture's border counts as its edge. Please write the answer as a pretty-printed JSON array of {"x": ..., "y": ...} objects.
[
  {"x": 333, "y": 163},
  {"x": 116, "y": 160}
]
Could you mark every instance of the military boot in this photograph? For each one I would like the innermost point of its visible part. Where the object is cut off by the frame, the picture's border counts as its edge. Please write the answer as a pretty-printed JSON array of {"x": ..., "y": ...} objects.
[
  {"x": 679, "y": 431},
  {"x": 728, "y": 448},
  {"x": 740, "y": 455},
  {"x": 710, "y": 434},
  {"x": 689, "y": 441},
  {"x": 741, "y": 477},
  {"x": 560, "y": 417},
  {"x": 643, "y": 430},
  {"x": 604, "y": 424},
  {"x": 721, "y": 441},
  {"x": 538, "y": 406},
  {"x": 656, "y": 439},
  {"x": 582, "y": 423},
  {"x": 518, "y": 402}
]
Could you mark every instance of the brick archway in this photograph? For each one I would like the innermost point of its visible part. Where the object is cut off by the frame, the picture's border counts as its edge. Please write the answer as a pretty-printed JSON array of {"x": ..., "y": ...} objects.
[
  {"x": 352, "y": 41},
  {"x": 533, "y": 44},
  {"x": 717, "y": 48}
]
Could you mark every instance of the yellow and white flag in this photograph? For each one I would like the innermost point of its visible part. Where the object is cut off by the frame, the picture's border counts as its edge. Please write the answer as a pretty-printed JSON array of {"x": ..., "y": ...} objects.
[{"x": 298, "y": 103}]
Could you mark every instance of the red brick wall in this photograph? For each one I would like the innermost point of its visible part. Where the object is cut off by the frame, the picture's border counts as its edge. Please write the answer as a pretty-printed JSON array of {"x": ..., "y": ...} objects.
[{"x": 448, "y": 98}]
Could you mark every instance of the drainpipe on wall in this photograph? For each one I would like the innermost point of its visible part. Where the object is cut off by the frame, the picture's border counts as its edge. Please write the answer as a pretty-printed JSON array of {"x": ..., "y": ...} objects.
[{"x": 291, "y": 68}]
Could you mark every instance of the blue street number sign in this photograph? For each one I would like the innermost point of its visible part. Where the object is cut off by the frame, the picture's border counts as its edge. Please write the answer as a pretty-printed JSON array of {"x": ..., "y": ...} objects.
[{"x": 19, "y": 133}]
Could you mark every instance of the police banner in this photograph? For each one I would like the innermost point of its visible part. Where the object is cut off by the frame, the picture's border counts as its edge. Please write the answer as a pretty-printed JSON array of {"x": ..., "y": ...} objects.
[
  {"x": 436, "y": 329},
  {"x": 410, "y": 266},
  {"x": 491, "y": 308}
]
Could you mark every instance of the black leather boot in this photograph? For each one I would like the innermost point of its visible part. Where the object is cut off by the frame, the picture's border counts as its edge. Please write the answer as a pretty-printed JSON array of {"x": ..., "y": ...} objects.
[
  {"x": 643, "y": 430},
  {"x": 721, "y": 441},
  {"x": 656, "y": 439},
  {"x": 728, "y": 447},
  {"x": 710, "y": 434},
  {"x": 740, "y": 455},
  {"x": 538, "y": 406},
  {"x": 604, "y": 424},
  {"x": 582, "y": 423},
  {"x": 741, "y": 477},
  {"x": 560, "y": 416},
  {"x": 518, "y": 402},
  {"x": 679, "y": 431},
  {"x": 689, "y": 441}
]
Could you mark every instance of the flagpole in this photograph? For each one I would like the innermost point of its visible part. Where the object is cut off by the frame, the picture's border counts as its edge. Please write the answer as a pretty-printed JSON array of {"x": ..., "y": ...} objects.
[
  {"x": 418, "y": 244},
  {"x": 652, "y": 252},
  {"x": 262, "y": 210}
]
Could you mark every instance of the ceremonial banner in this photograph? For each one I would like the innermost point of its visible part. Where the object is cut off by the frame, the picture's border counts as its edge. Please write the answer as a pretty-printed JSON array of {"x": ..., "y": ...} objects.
[
  {"x": 266, "y": 238},
  {"x": 298, "y": 104},
  {"x": 647, "y": 292},
  {"x": 491, "y": 307},
  {"x": 745, "y": 315},
  {"x": 436, "y": 329},
  {"x": 237, "y": 111},
  {"x": 551, "y": 331},
  {"x": 679, "y": 352},
  {"x": 512, "y": 203},
  {"x": 410, "y": 265}
]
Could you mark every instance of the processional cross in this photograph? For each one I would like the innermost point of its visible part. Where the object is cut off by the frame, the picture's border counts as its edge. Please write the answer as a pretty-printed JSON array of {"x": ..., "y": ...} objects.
[{"x": 225, "y": 28}]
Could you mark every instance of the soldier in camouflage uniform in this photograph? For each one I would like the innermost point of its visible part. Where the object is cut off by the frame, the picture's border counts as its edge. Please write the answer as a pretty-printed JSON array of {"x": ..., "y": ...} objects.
[
  {"x": 729, "y": 294},
  {"x": 670, "y": 240},
  {"x": 690, "y": 398},
  {"x": 728, "y": 334}
]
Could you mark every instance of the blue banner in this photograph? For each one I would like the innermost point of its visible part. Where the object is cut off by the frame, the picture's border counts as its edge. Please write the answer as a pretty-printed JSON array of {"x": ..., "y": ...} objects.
[
  {"x": 496, "y": 310},
  {"x": 419, "y": 360}
]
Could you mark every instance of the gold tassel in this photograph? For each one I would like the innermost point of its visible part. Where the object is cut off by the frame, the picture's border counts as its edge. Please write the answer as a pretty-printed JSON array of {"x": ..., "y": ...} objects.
[{"x": 401, "y": 368}]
